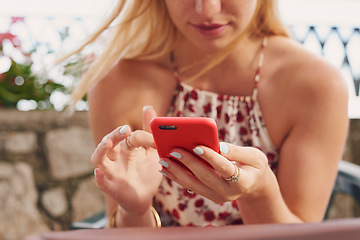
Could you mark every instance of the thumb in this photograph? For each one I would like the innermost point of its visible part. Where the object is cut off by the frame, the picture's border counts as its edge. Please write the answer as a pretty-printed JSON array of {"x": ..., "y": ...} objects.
[{"x": 148, "y": 115}]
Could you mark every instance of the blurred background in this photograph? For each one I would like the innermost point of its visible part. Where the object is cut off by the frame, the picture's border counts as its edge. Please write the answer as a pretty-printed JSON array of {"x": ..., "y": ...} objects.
[{"x": 45, "y": 175}]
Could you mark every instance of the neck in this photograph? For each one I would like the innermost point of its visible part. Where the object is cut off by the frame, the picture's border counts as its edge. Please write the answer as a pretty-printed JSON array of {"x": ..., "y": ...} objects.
[{"x": 190, "y": 59}]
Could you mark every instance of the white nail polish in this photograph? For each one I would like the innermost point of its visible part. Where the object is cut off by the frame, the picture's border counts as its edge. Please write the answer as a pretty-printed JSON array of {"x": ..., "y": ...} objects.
[
  {"x": 123, "y": 129},
  {"x": 198, "y": 151},
  {"x": 163, "y": 173},
  {"x": 95, "y": 174},
  {"x": 164, "y": 164},
  {"x": 224, "y": 148},
  {"x": 103, "y": 141},
  {"x": 147, "y": 107},
  {"x": 176, "y": 155}
]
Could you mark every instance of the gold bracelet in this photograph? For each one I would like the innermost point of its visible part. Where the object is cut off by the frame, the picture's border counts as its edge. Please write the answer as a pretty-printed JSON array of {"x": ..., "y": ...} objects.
[
  {"x": 156, "y": 217},
  {"x": 112, "y": 220},
  {"x": 112, "y": 223}
]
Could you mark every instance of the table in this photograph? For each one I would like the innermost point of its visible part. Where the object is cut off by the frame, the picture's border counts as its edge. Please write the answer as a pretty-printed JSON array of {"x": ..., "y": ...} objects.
[{"x": 345, "y": 229}]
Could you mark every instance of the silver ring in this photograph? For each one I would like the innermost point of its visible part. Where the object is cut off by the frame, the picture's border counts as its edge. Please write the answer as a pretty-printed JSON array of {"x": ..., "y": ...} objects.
[
  {"x": 235, "y": 176},
  {"x": 129, "y": 145}
]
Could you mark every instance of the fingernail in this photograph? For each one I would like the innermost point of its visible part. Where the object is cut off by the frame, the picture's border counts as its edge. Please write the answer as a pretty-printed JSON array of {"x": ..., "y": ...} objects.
[
  {"x": 198, "y": 150},
  {"x": 123, "y": 129},
  {"x": 164, "y": 164},
  {"x": 176, "y": 155},
  {"x": 95, "y": 174},
  {"x": 147, "y": 107},
  {"x": 103, "y": 141},
  {"x": 163, "y": 173},
  {"x": 224, "y": 148}
]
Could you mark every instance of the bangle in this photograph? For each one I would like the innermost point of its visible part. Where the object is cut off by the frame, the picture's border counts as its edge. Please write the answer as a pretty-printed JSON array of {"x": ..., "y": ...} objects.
[
  {"x": 156, "y": 217},
  {"x": 112, "y": 223},
  {"x": 112, "y": 220}
]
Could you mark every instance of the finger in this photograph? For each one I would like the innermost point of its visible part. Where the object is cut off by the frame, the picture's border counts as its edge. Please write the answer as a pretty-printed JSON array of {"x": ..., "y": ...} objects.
[
  {"x": 244, "y": 155},
  {"x": 187, "y": 180},
  {"x": 148, "y": 115},
  {"x": 203, "y": 172},
  {"x": 137, "y": 139},
  {"x": 117, "y": 135},
  {"x": 102, "y": 182},
  {"x": 221, "y": 164},
  {"x": 99, "y": 155}
]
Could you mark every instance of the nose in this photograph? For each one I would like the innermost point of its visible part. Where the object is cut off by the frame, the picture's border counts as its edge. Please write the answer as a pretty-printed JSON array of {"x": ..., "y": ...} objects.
[{"x": 207, "y": 8}]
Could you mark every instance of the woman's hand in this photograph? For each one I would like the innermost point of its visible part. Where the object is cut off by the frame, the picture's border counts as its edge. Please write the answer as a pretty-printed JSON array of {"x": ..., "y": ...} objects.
[
  {"x": 247, "y": 166},
  {"x": 126, "y": 166}
]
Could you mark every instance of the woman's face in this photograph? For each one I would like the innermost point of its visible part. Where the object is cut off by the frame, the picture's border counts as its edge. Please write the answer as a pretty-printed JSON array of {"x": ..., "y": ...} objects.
[{"x": 211, "y": 24}]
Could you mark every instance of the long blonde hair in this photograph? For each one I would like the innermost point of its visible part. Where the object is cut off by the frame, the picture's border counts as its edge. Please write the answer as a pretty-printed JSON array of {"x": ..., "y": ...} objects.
[{"x": 143, "y": 30}]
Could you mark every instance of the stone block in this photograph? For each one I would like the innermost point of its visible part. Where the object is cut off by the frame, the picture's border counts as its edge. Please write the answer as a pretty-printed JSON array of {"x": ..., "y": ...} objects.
[
  {"x": 55, "y": 202},
  {"x": 88, "y": 200},
  {"x": 19, "y": 214},
  {"x": 69, "y": 152},
  {"x": 21, "y": 142}
]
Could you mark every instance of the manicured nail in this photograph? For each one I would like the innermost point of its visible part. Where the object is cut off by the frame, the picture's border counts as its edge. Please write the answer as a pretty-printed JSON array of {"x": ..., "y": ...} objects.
[
  {"x": 95, "y": 174},
  {"x": 123, "y": 129},
  {"x": 176, "y": 155},
  {"x": 164, "y": 164},
  {"x": 198, "y": 150},
  {"x": 147, "y": 107},
  {"x": 163, "y": 173},
  {"x": 103, "y": 141},
  {"x": 224, "y": 148}
]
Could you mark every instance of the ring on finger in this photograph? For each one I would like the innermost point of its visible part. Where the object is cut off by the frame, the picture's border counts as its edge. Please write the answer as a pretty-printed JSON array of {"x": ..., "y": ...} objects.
[
  {"x": 129, "y": 145},
  {"x": 235, "y": 176}
]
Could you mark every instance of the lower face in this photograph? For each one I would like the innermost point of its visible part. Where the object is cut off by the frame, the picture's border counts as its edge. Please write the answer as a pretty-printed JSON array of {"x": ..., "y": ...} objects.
[{"x": 210, "y": 24}]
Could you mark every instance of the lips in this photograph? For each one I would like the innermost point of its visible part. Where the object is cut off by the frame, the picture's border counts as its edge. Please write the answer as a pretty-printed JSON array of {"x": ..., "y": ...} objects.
[{"x": 209, "y": 29}]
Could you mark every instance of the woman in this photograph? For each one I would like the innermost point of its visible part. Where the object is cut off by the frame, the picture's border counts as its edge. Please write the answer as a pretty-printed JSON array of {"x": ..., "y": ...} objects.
[{"x": 281, "y": 113}]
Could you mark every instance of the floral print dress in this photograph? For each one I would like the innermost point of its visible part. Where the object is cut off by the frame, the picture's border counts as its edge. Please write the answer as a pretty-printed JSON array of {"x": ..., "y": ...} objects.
[{"x": 239, "y": 120}]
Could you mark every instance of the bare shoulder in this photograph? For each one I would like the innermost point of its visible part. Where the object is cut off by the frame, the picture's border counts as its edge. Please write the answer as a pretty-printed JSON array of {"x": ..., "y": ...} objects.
[
  {"x": 309, "y": 78},
  {"x": 118, "y": 98},
  {"x": 299, "y": 88}
]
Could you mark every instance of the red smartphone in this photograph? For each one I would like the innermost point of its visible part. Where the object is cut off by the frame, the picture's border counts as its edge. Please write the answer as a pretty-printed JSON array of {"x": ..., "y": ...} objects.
[{"x": 183, "y": 132}]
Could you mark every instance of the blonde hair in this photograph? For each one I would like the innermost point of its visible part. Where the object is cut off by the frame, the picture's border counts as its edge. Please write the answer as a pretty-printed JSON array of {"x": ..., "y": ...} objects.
[{"x": 143, "y": 30}]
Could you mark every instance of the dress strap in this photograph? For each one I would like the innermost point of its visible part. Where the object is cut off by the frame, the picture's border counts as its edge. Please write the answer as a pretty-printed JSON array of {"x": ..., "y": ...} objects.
[
  {"x": 174, "y": 66},
  {"x": 258, "y": 70}
]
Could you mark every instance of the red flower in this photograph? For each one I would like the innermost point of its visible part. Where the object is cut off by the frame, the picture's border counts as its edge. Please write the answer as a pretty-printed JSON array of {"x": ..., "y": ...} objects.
[
  {"x": 182, "y": 206},
  {"x": 222, "y": 133},
  {"x": 218, "y": 110},
  {"x": 271, "y": 157},
  {"x": 191, "y": 108},
  {"x": 16, "y": 19},
  {"x": 227, "y": 118},
  {"x": 224, "y": 215},
  {"x": 199, "y": 203},
  {"x": 243, "y": 131},
  {"x": 209, "y": 216},
  {"x": 176, "y": 214},
  {"x": 207, "y": 108},
  {"x": 234, "y": 204},
  {"x": 239, "y": 117},
  {"x": 194, "y": 95}
]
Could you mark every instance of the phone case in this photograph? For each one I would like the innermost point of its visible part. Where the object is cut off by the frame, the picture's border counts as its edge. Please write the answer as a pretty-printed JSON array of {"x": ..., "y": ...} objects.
[{"x": 183, "y": 132}]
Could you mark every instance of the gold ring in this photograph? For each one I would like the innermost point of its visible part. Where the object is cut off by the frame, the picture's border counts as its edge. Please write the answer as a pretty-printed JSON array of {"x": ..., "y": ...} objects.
[
  {"x": 129, "y": 145},
  {"x": 235, "y": 176}
]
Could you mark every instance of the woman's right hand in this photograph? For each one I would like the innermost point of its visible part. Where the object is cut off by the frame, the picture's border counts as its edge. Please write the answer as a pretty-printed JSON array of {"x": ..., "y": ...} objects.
[{"x": 129, "y": 176}]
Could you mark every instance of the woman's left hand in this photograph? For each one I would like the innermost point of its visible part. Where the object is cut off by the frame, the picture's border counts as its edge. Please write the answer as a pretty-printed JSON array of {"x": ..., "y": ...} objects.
[{"x": 233, "y": 173}]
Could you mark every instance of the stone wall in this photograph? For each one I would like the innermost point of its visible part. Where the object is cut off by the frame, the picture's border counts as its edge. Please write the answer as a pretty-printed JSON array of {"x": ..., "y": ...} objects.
[{"x": 46, "y": 179}]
